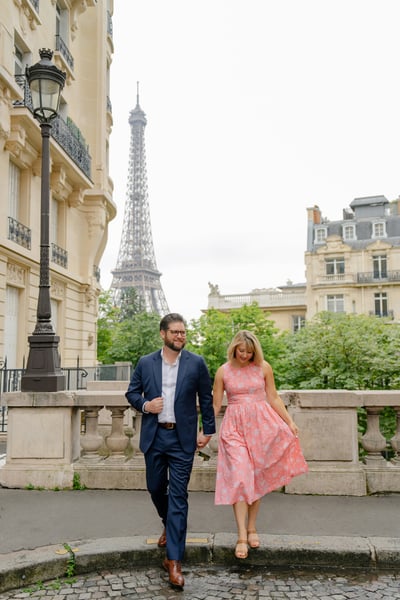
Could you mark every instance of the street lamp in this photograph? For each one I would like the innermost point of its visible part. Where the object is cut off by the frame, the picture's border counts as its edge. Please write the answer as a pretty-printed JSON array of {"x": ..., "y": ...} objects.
[{"x": 43, "y": 372}]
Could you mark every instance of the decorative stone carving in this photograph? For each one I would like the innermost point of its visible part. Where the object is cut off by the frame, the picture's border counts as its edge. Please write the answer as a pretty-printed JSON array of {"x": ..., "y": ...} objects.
[
  {"x": 90, "y": 295},
  {"x": 75, "y": 198},
  {"x": 214, "y": 289},
  {"x": 15, "y": 274},
  {"x": 28, "y": 18},
  {"x": 57, "y": 290},
  {"x": 59, "y": 182},
  {"x": 19, "y": 148},
  {"x": 96, "y": 220}
]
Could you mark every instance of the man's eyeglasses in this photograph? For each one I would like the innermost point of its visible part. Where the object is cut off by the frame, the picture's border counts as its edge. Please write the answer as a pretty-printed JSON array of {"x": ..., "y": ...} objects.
[{"x": 177, "y": 332}]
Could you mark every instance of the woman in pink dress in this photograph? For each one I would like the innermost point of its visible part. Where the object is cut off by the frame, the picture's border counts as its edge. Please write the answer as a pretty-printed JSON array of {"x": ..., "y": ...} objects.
[{"x": 258, "y": 448}]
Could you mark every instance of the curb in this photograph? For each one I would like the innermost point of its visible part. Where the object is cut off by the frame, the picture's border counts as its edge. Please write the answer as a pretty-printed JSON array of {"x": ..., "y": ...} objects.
[{"x": 27, "y": 567}]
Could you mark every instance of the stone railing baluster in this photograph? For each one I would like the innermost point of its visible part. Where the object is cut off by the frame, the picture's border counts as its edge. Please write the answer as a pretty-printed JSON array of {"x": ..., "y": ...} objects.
[
  {"x": 395, "y": 441},
  {"x": 91, "y": 440},
  {"x": 117, "y": 442},
  {"x": 373, "y": 442}
]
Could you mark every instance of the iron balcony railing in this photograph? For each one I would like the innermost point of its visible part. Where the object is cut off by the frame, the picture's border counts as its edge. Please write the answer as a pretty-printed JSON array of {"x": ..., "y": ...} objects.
[
  {"x": 59, "y": 256},
  {"x": 109, "y": 24},
  {"x": 96, "y": 272},
  {"x": 66, "y": 133},
  {"x": 62, "y": 48},
  {"x": 19, "y": 233},
  {"x": 72, "y": 141},
  {"x": 372, "y": 277}
]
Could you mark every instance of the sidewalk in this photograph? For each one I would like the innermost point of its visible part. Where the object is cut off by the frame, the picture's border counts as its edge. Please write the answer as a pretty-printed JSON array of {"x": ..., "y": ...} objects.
[{"x": 118, "y": 528}]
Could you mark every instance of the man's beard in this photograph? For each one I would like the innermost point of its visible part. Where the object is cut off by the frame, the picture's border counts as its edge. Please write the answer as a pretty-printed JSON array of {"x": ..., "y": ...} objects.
[{"x": 172, "y": 346}]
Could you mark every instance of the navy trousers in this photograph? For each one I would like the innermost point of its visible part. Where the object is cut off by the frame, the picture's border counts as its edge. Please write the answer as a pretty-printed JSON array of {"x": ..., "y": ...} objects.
[{"x": 168, "y": 470}]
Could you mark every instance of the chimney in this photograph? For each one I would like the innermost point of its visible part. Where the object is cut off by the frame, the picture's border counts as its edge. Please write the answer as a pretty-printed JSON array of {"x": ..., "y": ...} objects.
[{"x": 314, "y": 215}]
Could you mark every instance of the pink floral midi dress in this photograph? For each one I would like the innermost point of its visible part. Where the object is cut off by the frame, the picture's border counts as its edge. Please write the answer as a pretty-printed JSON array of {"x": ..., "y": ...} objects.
[{"x": 257, "y": 451}]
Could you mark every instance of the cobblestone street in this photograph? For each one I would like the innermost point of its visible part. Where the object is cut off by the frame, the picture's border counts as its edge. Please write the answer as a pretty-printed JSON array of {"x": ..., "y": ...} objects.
[{"x": 205, "y": 583}]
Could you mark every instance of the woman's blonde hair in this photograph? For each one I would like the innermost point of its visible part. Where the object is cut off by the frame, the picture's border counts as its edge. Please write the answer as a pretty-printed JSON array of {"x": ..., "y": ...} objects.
[{"x": 252, "y": 345}]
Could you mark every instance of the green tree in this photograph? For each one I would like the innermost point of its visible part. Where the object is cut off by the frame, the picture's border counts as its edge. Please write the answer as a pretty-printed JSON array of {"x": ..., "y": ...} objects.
[
  {"x": 130, "y": 303},
  {"x": 211, "y": 334},
  {"x": 108, "y": 319},
  {"x": 343, "y": 351},
  {"x": 134, "y": 337}
]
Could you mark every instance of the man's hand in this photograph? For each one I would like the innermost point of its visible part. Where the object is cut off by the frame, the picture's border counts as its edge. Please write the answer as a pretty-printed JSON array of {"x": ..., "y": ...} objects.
[
  {"x": 202, "y": 440},
  {"x": 155, "y": 406}
]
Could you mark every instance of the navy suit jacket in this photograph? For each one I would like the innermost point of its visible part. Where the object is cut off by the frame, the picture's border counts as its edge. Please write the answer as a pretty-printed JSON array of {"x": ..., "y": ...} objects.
[{"x": 193, "y": 381}]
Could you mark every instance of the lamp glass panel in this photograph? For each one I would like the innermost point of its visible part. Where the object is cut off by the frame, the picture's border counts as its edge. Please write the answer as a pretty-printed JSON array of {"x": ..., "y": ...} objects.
[{"x": 45, "y": 97}]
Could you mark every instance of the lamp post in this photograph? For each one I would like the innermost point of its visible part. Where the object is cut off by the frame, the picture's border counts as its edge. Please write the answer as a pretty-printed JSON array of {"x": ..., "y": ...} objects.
[{"x": 43, "y": 372}]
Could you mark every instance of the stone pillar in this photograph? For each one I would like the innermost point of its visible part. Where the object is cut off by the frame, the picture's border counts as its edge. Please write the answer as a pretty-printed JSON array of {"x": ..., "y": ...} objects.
[{"x": 43, "y": 440}]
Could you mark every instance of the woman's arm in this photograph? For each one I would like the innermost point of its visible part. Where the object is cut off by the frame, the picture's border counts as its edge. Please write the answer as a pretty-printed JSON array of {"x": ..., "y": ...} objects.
[
  {"x": 218, "y": 391},
  {"x": 275, "y": 400}
]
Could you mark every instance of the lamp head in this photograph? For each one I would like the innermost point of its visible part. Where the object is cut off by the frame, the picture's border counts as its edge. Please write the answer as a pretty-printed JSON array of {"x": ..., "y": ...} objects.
[{"x": 46, "y": 82}]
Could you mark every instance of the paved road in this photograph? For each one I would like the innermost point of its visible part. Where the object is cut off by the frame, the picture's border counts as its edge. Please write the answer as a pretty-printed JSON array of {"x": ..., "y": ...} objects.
[{"x": 208, "y": 583}]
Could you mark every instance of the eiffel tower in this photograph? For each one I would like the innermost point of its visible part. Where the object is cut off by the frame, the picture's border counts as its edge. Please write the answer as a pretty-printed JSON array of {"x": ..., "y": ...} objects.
[{"x": 136, "y": 265}]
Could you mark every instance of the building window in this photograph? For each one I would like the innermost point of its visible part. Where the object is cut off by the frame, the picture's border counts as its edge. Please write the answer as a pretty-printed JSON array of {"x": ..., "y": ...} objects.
[
  {"x": 320, "y": 235},
  {"x": 14, "y": 190},
  {"x": 349, "y": 232},
  {"x": 21, "y": 56},
  {"x": 335, "y": 303},
  {"x": 334, "y": 266},
  {"x": 379, "y": 229},
  {"x": 379, "y": 263},
  {"x": 381, "y": 304},
  {"x": 62, "y": 33},
  {"x": 298, "y": 322}
]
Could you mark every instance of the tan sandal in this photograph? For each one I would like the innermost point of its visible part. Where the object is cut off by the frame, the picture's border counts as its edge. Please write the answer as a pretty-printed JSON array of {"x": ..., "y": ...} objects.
[
  {"x": 241, "y": 553},
  {"x": 252, "y": 538}
]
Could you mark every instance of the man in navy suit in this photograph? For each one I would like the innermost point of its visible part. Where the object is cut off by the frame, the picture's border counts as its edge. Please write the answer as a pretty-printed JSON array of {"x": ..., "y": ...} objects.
[{"x": 164, "y": 387}]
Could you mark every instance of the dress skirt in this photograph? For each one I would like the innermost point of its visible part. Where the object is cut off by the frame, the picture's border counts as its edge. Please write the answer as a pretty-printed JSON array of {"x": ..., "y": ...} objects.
[{"x": 257, "y": 451}]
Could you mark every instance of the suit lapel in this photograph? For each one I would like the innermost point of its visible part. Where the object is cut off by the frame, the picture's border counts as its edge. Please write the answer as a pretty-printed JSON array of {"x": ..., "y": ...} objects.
[
  {"x": 183, "y": 364},
  {"x": 157, "y": 372}
]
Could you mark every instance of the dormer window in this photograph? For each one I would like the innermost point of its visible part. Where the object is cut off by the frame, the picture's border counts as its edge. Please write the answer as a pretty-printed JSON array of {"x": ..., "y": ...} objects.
[
  {"x": 379, "y": 229},
  {"x": 349, "y": 232},
  {"x": 320, "y": 235}
]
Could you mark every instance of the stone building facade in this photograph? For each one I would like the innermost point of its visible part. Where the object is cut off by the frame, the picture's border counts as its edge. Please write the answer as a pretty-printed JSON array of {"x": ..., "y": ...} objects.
[
  {"x": 81, "y": 204},
  {"x": 352, "y": 266}
]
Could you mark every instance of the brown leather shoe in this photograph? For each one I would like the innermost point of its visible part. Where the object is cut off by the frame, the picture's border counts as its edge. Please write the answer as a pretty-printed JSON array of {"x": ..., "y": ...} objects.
[
  {"x": 162, "y": 540},
  {"x": 174, "y": 570}
]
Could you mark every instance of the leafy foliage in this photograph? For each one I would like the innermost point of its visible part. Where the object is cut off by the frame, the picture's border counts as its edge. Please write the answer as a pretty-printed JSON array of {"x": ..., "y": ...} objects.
[
  {"x": 125, "y": 335},
  {"x": 109, "y": 317},
  {"x": 211, "y": 334},
  {"x": 343, "y": 351}
]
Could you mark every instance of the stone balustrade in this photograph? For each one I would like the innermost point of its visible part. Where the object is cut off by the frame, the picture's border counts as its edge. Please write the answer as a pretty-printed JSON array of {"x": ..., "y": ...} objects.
[{"x": 55, "y": 437}]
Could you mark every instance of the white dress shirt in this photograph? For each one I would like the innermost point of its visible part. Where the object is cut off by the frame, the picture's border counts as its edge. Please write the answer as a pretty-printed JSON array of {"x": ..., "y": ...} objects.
[{"x": 169, "y": 375}]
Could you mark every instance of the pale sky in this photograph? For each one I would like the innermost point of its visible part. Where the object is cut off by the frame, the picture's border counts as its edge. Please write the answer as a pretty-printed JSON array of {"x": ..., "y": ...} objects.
[{"x": 256, "y": 110}]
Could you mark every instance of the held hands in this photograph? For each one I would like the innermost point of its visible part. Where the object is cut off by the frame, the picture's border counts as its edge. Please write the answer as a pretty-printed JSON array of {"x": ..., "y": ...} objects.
[
  {"x": 155, "y": 406},
  {"x": 202, "y": 440}
]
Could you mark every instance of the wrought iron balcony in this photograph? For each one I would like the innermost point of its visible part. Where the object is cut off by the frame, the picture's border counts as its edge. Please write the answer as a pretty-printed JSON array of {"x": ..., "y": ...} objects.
[
  {"x": 109, "y": 24},
  {"x": 96, "y": 272},
  {"x": 59, "y": 256},
  {"x": 72, "y": 141},
  {"x": 35, "y": 5},
  {"x": 66, "y": 133},
  {"x": 19, "y": 233},
  {"x": 62, "y": 48},
  {"x": 371, "y": 277}
]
